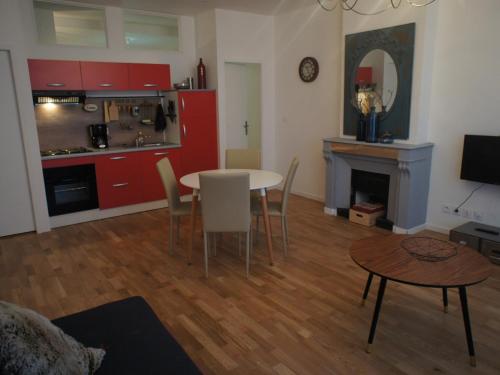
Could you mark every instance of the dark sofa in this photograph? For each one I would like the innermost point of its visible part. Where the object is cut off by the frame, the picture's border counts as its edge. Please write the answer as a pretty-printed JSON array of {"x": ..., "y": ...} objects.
[{"x": 135, "y": 340}]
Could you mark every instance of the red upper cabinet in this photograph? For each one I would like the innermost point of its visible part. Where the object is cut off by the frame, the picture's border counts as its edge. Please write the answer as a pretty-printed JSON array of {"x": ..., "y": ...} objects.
[
  {"x": 149, "y": 76},
  {"x": 198, "y": 121},
  {"x": 55, "y": 75},
  {"x": 152, "y": 186},
  {"x": 104, "y": 75}
]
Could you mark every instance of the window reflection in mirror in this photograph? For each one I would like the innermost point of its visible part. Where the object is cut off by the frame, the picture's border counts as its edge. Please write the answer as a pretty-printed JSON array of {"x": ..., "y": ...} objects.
[{"x": 376, "y": 82}]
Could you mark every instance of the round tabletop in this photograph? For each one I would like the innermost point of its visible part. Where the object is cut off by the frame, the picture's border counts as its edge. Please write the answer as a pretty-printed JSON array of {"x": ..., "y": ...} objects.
[
  {"x": 259, "y": 179},
  {"x": 384, "y": 256}
]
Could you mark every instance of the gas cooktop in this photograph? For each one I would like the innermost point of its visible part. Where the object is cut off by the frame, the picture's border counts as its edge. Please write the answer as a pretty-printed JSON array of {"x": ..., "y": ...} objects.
[{"x": 65, "y": 151}]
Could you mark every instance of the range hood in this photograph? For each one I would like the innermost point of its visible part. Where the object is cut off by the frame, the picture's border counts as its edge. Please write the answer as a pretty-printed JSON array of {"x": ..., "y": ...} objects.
[{"x": 58, "y": 97}]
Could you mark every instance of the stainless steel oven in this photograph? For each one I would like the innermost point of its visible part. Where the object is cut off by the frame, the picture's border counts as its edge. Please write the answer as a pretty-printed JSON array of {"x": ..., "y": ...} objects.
[{"x": 70, "y": 189}]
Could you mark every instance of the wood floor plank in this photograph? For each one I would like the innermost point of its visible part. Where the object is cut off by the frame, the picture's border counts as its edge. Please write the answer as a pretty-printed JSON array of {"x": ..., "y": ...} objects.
[{"x": 300, "y": 316}]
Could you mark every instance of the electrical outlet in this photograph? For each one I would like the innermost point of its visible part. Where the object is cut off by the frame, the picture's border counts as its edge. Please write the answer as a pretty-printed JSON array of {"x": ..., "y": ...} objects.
[
  {"x": 477, "y": 215},
  {"x": 466, "y": 213},
  {"x": 446, "y": 208}
]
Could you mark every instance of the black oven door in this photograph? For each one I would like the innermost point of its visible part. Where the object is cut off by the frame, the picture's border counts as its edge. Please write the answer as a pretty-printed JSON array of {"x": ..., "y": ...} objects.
[{"x": 70, "y": 189}]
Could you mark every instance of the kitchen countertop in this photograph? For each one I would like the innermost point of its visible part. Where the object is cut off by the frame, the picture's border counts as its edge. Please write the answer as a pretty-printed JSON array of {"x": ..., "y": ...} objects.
[{"x": 112, "y": 150}]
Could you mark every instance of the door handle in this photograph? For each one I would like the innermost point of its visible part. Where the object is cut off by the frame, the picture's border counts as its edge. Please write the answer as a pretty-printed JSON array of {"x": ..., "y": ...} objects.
[
  {"x": 118, "y": 158},
  {"x": 55, "y": 84},
  {"x": 150, "y": 84},
  {"x": 184, "y": 130},
  {"x": 70, "y": 189},
  {"x": 182, "y": 103},
  {"x": 161, "y": 153},
  {"x": 105, "y": 84},
  {"x": 246, "y": 127},
  {"x": 120, "y": 185}
]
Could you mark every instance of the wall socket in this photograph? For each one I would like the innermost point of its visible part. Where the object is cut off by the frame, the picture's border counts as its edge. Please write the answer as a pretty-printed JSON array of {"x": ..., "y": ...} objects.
[{"x": 466, "y": 213}]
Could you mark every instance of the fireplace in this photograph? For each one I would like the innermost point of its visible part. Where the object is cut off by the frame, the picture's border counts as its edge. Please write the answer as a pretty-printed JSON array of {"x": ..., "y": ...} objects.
[{"x": 395, "y": 174}]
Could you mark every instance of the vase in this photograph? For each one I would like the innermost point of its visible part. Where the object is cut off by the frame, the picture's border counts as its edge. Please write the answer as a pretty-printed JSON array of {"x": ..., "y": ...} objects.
[
  {"x": 372, "y": 126},
  {"x": 202, "y": 75},
  {"x": 361, "y": 128}
]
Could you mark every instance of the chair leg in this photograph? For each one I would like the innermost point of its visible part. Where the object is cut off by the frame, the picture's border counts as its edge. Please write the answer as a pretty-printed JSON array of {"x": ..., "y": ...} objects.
[
  {"x": 286, "y": 228},
  {"x": 215, "y": 244},
  {"x": 178, "y": 228},
  {"x": 239, "y": 244},
  {"x": 257, "y": 230},
  {"x": 283, "y": 235},
  {"x": 205, "y": 238},
  {"x": 171, "y": 235},
  {"x": 248, "y": 253}
]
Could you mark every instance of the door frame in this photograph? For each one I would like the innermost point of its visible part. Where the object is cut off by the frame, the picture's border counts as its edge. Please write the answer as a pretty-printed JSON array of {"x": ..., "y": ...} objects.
[
  {"x": 222, "y": 106},
  {"x": 29, "y": 135}
]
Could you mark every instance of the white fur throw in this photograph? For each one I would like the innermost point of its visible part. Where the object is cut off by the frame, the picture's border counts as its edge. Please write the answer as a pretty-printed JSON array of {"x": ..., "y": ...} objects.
[{"x": 31, "y": 344}]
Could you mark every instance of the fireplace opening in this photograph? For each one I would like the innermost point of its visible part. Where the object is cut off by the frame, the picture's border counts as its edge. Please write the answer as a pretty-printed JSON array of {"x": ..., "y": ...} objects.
[{"x": 371, "y": 188}]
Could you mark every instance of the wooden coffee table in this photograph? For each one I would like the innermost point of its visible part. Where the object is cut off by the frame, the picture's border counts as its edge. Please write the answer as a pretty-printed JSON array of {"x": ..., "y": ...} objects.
[{"x": 384, "y": 256}]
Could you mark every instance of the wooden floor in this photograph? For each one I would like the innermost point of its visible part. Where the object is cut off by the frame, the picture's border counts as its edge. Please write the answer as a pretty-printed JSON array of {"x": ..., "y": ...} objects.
[{"x": 301, "y": 316}]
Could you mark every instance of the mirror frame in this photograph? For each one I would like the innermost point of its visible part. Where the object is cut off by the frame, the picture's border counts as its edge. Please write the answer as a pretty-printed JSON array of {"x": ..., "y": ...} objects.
[{"x": 399, "y": 43}]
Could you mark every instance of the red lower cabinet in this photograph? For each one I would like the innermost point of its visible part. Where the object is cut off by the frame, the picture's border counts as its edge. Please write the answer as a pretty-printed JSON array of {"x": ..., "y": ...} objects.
[
  {"x": 152, "y": 186},
  {"x": 118, "y": 180}
]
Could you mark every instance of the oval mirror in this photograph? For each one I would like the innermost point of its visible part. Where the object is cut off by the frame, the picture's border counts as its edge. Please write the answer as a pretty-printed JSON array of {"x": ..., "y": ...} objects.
[{"x": 376, "y": 82}]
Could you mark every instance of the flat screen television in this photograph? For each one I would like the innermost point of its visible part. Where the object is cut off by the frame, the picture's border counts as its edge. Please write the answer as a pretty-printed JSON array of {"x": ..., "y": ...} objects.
[{"x": 481, "y": 159}]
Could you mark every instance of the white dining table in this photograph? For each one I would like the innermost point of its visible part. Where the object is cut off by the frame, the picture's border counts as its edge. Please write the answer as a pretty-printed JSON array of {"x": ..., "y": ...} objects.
[{"x": 259, "y": 180}]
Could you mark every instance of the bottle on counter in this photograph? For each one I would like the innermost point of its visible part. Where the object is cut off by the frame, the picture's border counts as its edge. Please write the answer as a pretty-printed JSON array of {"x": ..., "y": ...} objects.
[{"x": 202, "y": 75}]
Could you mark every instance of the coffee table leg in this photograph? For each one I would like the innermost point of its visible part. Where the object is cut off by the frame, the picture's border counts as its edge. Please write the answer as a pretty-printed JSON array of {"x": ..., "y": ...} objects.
[
  {"x": 378, "y": 305},
  {"x": 445, "y": 299},
  {"x": 367, "y": 288},
  {"x": 468, "y": 331}
]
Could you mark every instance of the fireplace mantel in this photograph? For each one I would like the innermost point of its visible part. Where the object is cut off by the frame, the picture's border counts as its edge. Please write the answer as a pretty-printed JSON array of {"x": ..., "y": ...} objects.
[{"x": 408, "y": 166}]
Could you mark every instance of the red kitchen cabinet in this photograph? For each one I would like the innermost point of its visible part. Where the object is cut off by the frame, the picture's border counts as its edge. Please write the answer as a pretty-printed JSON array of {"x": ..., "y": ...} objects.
[
  {"x": 198, "y": 121},
  {"x": 55, "y": 75},
  {"x": 152, "y": 186},
  {"x": 118, "y": 180},
  {"x": 149, "y": 76},
  {"x": 104, "y": 75}
]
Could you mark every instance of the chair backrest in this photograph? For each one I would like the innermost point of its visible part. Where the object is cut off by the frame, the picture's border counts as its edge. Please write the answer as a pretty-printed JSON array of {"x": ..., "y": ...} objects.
[
  {"x": 243, "y": 159},
  {"x": 169, "y": 183},
  {"x": 288, "y": 184},
  {"x": 225, "y": 202}
]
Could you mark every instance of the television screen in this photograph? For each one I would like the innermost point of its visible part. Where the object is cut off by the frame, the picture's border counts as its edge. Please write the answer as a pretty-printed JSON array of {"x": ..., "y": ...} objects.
[{"x": 481, "y": 159}]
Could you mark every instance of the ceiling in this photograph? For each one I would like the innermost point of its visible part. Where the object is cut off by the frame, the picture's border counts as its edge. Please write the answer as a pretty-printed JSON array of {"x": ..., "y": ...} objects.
[{"x": 192, "y": 7}]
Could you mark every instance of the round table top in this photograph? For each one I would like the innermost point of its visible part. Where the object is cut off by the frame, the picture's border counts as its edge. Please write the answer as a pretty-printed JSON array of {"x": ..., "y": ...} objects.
[
  {"x": 384, "y": 256},
  {"x": 259, "y": 179}
]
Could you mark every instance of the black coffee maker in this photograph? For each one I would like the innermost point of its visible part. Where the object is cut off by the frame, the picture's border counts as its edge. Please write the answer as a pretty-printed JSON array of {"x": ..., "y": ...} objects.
[{"x": 99, "y": 135}]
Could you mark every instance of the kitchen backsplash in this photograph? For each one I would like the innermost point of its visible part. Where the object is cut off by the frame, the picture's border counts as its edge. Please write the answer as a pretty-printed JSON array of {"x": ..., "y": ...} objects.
[{"x": 66, "y": 125}]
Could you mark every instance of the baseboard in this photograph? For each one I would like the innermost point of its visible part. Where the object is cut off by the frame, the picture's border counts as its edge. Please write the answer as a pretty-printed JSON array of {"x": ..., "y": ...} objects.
[
  {"x": 91, "y": 215},
  {"x": 309, "y": 196},
  {"x": 330, "y": 211},
  {"x": 435, "y": 228},
  {"x": 399, "y": 230}
]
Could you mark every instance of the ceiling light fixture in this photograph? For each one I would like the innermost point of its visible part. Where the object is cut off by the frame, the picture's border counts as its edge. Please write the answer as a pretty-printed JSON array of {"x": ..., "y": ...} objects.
[{"x": 353, "y": 6}]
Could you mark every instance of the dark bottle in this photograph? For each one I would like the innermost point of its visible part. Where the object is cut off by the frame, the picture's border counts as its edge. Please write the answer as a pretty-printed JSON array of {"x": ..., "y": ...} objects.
[
  {"x": 361, "y": 129},
  {"x": 202, "y": 75},
  {"x": 372, "y": 126}
]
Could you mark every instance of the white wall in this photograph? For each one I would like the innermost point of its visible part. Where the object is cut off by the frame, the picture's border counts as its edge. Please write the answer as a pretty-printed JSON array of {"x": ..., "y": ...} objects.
[
  {"x": 248, "y": 38},
  {"x": 306, "y": 112},
  {"x": 464, "y": 101},
  {"x": 206, "y": 46}
]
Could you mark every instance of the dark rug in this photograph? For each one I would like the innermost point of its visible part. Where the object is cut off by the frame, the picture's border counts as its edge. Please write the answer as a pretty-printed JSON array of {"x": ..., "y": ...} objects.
[{"x": 135, "y": 340}]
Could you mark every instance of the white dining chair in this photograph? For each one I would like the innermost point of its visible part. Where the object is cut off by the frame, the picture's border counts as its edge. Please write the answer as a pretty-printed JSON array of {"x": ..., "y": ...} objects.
[{"x": 225, "y": 207}]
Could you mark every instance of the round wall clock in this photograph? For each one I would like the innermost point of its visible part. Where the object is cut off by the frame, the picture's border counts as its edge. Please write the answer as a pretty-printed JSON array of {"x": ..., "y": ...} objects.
[{"x": 308, "y": 69}]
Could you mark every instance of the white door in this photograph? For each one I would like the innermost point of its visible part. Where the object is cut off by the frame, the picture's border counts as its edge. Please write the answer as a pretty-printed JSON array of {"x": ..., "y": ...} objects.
[
  {"x": 16, "y": 213},
  {"x": 243, "y": 105}
]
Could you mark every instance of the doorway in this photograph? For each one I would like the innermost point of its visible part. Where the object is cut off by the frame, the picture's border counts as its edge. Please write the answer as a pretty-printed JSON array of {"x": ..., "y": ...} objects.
[
  {"x": 243, "y": 105},
  {"x": 15, "y": 199}
]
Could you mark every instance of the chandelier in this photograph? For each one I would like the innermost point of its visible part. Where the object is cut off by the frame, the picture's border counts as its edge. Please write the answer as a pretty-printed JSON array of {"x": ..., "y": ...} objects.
[{"x": 352, "y": 5}]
